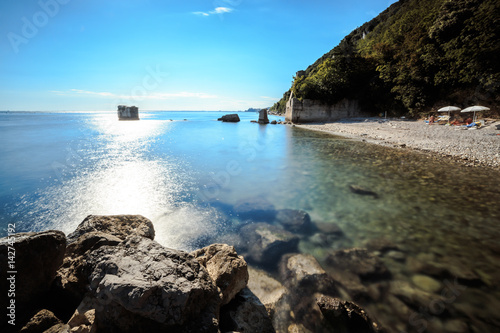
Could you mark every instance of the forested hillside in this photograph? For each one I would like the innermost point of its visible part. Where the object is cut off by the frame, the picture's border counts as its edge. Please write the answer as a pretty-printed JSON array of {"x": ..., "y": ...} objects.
[{"x": 416, "y": 55}]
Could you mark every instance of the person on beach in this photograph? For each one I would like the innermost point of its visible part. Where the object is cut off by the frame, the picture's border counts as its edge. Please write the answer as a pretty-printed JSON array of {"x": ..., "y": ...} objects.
[
  {"x": 432, "y": 119},
  {"x": 468, "y": 121}
]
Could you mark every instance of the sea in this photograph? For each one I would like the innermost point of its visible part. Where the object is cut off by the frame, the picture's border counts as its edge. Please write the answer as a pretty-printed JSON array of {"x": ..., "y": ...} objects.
[{"x": 186, "y": 172}]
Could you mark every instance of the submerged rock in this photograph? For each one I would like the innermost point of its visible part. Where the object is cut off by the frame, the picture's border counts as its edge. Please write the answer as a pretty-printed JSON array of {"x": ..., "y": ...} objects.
[
  {"x": 359, "y": 262},
  {"x": 362, "y": 191},
  {"x": 266, "y": 243},
  {"x": 228, "y": 270},
  {"x": 141, "y": 286},
  {"x": 230, "y": 118},
  {"x": 294, "y": 220},
  {"x": 121, "y": 226},
  {"x": 255, "y": 209}
]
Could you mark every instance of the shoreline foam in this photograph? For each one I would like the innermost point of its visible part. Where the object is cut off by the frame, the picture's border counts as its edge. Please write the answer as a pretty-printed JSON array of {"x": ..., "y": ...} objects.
[{"x": 477, "y": 147}]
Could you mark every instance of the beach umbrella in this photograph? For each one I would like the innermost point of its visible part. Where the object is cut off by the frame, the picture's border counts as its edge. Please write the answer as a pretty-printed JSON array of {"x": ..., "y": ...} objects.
[
  {"x": 449, "y": 109},
  {"x": 475, "y": 108}
]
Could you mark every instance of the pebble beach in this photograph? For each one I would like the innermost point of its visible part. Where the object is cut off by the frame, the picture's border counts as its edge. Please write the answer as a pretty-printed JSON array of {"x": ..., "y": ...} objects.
[{"x": 473, "y": 147}]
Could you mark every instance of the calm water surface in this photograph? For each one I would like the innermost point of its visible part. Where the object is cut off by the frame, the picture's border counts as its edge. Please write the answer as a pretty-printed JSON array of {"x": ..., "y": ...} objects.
[{"x": 180, "y": 169}]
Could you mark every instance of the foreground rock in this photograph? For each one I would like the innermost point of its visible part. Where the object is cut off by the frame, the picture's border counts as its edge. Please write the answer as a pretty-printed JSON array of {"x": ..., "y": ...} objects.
[
  {"x": 230, "y": 118},
  {"x": 71, "y": 281},
  {"x": 121, "y": 226},
  {"x": 140, "y": 286},
  {"x": 345, "y": 316},
  {"x": 42, "y": 321},
  {"x": 35, "y": 257},
  {"x": 245, "y": 313},
  {"x": 266, "y": 243},
  {"x": 227, "y": 269}
]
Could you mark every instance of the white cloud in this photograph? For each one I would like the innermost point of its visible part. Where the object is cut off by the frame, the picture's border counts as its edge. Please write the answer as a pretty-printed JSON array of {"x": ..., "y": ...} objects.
[{"x": 217, "y": 10}]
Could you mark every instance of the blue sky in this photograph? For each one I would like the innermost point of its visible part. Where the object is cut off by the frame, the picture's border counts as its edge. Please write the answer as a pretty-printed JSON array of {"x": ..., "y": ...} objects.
[{"x": 164, "y": 55}]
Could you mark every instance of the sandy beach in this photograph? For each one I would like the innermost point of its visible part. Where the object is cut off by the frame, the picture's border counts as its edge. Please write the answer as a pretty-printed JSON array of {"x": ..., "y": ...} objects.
[{"x": 470, "y": 146}]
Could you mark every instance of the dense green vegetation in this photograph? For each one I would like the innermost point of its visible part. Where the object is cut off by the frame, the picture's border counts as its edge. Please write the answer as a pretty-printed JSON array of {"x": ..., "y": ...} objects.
[{"x": 416, "y": 55}]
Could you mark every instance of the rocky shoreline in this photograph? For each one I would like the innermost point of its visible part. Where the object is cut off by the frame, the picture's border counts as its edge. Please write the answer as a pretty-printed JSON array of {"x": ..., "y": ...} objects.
[
  {"x": 471, "y": 147},
  {"x": 109, "y": 275}
]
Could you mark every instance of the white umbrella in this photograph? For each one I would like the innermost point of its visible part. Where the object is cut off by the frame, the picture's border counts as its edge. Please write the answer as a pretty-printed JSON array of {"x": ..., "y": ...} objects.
[
  {"x": 449, "y": 109},
  {"x": 474, "y": 109}
]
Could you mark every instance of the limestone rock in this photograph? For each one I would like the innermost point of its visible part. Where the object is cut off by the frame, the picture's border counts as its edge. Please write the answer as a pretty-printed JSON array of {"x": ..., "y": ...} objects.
[
  {"x": 294, "y": 220},
  {"x": 230, "y": 118},
  {"x": 59, "y": 328},
  {"x": 412, "y": 296},
  {"x": 245, "y": 313},
  {"x": 346, "y": 316},
  {"x": 83, "y": 320},
  {"x": 263, "y": 119},
  {"x": 121, "y": 226},
  {"x": 72, "y": 277},
  {"x": 269, "y": 291},
  {"x": 329, "y": 228},
  {"x": 41, "y": 322},
  {"x": 303, "y": 272},
  {"x": 37, "y": 258},
  {"x": 141, "y": 286},
  {"x": 359, "y": 262},
  {"x": 267, "y": 243},
  {"x": 228, "y": 270}
]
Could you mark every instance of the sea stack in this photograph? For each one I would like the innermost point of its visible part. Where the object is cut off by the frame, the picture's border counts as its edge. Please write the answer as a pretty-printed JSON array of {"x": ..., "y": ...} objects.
[
  {"x": 263, "y": 119},
  {"x": 128, "y": 112}
]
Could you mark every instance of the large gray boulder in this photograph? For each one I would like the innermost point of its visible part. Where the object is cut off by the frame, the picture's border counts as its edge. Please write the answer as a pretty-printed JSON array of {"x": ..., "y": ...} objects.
[
  {"x": 267, "y": 243},
  {"x": 33, "y": 258},
  {"x": 141, "y": 286},
  {"x": 72, "y": 277},
  {"x": 121, "y": 226},
  {"x": 228, "y": 270}
]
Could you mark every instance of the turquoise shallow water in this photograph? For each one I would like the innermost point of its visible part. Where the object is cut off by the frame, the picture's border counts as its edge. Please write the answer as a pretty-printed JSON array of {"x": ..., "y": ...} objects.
[{"x": 180, "y": 169}]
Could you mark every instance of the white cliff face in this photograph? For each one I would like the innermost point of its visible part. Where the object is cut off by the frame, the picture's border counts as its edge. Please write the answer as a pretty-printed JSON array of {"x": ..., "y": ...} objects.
[{"x": 311, "y": 111}]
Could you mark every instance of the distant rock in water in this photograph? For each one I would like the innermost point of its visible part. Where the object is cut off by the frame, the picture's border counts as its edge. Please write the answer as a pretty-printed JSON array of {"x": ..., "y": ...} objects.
[
  {"x": 263, "y": 119},
  {"x": 128, "y": 112},
  {"x": 230, "y": 118}
]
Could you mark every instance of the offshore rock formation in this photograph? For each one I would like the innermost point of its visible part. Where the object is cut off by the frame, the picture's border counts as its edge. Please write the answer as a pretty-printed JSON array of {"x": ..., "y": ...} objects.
[
  {"x": 230, "y": 118},
  {"x": 263, "y": 119},
  {"x": 128, "y": 112}
]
